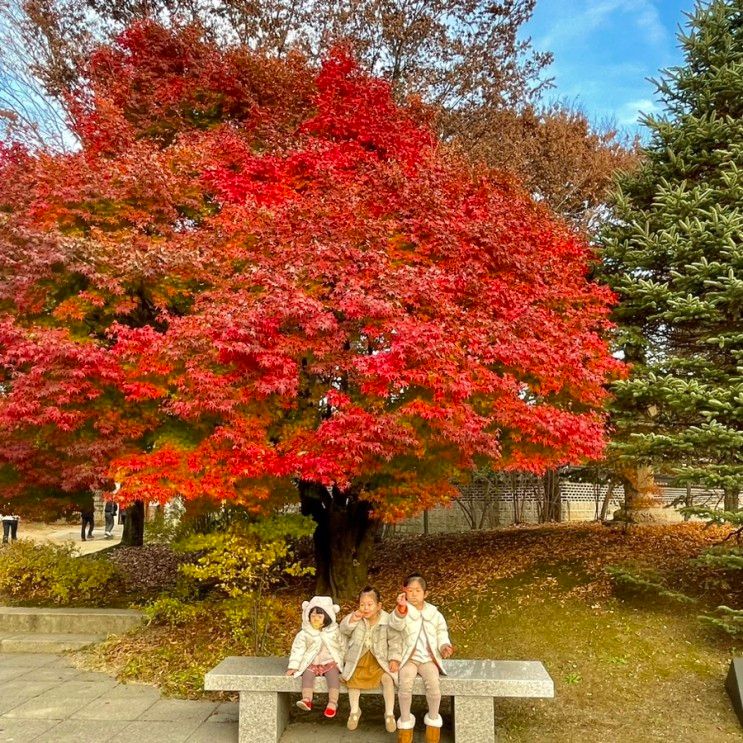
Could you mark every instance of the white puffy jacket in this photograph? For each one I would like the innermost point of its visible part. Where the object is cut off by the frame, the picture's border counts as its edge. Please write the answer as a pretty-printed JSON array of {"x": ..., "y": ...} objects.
[
  {"x": 428, "y": 620},
  {"x": 309, "y": 641}
]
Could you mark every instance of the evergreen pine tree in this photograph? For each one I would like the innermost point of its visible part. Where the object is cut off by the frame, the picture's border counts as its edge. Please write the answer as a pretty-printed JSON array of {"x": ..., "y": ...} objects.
[{"x": 674, "y": 255}]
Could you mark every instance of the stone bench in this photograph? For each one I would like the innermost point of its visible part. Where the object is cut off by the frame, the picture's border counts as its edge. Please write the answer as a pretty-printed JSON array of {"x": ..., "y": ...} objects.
[{"x": 265, "y": 693}]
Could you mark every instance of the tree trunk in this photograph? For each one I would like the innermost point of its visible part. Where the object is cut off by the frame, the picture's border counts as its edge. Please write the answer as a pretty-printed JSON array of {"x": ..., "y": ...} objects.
[
  {"x": 689, "y": 502},
  {"x": 641, "y": 502},
  {"x": 732, "y": 499},
  {"x": 552, "y": 510},
  {"x": 134, "y": 525},
  {"x": 640, "y": 489},
  {"x": 607, "y": 500},
  {"x": 343, "y": 539}
]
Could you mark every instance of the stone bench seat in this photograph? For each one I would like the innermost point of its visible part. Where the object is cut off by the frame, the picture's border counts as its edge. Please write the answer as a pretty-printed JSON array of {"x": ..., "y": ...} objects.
[{"x": 265, "y": 693}]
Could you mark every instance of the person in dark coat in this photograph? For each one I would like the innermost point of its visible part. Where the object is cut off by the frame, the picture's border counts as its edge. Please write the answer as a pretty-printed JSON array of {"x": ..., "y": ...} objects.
[
  {"x": 10, "y": 527},
  {"x": 110, "y": 510},
  {"x": 88, "y": 518}
]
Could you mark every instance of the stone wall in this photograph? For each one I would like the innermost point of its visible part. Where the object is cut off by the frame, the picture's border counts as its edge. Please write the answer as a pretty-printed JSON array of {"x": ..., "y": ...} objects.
[{"x": 502, "y": 506}]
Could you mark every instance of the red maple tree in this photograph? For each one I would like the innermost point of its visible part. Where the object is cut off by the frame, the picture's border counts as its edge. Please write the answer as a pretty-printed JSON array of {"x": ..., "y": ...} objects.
[{"x": 257, "y": 280}]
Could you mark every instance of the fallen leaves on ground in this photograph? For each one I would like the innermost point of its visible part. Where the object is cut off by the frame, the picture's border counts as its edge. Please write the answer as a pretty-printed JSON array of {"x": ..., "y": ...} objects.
[
  {"x": 467, "y": 564},
  {"x": 147, "y": 570}
]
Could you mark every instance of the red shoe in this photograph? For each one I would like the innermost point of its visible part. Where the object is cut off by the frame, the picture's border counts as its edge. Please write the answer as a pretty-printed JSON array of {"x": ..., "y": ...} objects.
[
  {"x": 330, "y": 712},
  {"x": 305, "y": 705}
]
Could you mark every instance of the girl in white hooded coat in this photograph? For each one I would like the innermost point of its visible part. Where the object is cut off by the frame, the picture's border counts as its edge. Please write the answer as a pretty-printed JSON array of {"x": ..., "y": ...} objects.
[{"x": 317, "y": 650}]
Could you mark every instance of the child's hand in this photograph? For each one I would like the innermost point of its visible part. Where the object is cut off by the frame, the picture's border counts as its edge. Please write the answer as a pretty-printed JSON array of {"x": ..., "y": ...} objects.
[
  {"x": 357, "y": 616},
  {"x": 394, "y": 666},
  {"x": 447, "y": 651},
  {"x": 402, "y": 599},
  {"x": 290, "y": 671}
]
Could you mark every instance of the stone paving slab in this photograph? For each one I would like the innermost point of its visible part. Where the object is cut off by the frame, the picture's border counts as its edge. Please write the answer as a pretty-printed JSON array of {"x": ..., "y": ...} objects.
[
  {"x": 60, "y": 701},
  {"x": 115, "y": 707},
  {"x": 65, "y": 704},
  {"x": 225, "y": 712},
  {"x": 29, "y": 660},
  {"x": 148, "y": 731},
  {"x": 76, "y": 731},
  {"x": 219, "y": 732},
  {"x": 47, "y": 673},
  {"x": 53, "y": 672},
  {"x": 8, "y": 674},
  {"x": 15, "y": 693},
  {"x": 179, "y": 709},
  {"x": 23, "y": 731}
]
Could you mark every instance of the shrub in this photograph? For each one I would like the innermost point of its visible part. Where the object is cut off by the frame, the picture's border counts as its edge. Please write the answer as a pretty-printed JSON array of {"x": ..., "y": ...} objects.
[
  {"x": 241, "y": 564},
  {"x": 52, "y": 573},
  {"x": 246, "y": 557},
  {"x": 170, "y": 612},
  {"x": 639, "y": 582},
  {"x": 161, "y": 529},
  {"x": 250, "y": 621}
]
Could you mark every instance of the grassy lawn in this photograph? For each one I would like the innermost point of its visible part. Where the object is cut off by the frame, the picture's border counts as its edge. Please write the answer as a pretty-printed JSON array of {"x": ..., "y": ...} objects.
[
  {"x": 625, "y": 669},
  {"x": 622, "y": 672}
]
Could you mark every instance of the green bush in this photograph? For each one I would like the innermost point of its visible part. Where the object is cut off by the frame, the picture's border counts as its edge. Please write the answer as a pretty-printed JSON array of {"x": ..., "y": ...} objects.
[
  {"x": 240, "y": 564},
  {"x": 52, "y": 573},
  {"x": 246, "y": 557},
  {"x": 242, "y": 623},
  {"x": 250, "y": 618},
  {"x": 642, "y": 582},
  {"x": 161, "y": 529},
  {"x": 170, "y": 611}
]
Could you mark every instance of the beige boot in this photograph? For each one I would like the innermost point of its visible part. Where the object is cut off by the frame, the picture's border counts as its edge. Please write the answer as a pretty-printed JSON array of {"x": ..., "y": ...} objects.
[
  {"x": 405, "y": 730},
  {"x": 433, "y": 729}
]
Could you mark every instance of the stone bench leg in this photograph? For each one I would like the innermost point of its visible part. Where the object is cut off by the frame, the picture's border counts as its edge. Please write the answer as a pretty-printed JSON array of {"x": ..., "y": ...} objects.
[
  {"x": 263, "y": 716},
  {"x": 474, "y": 720}
]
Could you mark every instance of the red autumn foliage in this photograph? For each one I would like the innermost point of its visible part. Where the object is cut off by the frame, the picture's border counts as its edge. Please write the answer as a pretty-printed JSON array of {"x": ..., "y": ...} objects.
[{"x": 255, "y": 273}]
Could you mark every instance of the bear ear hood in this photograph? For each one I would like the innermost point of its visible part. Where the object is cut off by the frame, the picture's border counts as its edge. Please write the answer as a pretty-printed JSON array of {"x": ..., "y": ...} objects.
[{"x": 323, "y": 602}]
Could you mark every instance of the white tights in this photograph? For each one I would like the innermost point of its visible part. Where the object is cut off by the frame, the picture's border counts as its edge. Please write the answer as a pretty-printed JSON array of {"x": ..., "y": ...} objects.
[{"x": 388, "y": 692}]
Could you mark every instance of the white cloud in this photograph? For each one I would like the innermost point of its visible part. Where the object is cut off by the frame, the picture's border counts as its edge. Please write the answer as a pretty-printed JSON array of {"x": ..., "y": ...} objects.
[
  {"x": 630, "y": 111},
  {"x": 591, "y": 15},
  {"x": 649, "y": 22}
]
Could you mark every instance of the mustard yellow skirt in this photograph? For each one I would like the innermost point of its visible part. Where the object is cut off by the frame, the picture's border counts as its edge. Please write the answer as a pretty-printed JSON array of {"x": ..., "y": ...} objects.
[{"x": 368, "y": 673}]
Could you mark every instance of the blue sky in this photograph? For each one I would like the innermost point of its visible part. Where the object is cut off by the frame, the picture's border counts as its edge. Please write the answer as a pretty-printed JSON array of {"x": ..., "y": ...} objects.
[{"x": 604, "y": 51}]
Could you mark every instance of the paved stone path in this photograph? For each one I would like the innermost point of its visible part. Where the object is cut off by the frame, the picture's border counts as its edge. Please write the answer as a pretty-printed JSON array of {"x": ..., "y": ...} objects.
[
  {"x": 60, "y": 533},
  {"x": 43, "y": 697}
]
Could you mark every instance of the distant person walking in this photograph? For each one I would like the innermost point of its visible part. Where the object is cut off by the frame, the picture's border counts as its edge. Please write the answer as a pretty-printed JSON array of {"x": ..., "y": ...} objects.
[
  {"x": 88, "y": 518},
  {"x": 110, "y": 510},
  {"x": 10, "y": 528}
]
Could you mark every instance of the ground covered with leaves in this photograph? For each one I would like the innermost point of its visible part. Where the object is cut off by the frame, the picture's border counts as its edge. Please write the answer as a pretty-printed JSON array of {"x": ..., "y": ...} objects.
[
  {"x": 146, "y": 571},
  {"x": 628, "y": 666}
]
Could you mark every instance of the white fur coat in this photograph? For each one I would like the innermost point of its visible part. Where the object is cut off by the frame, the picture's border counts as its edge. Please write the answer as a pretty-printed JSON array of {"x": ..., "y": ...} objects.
[{"x": 309, "y": 641}]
